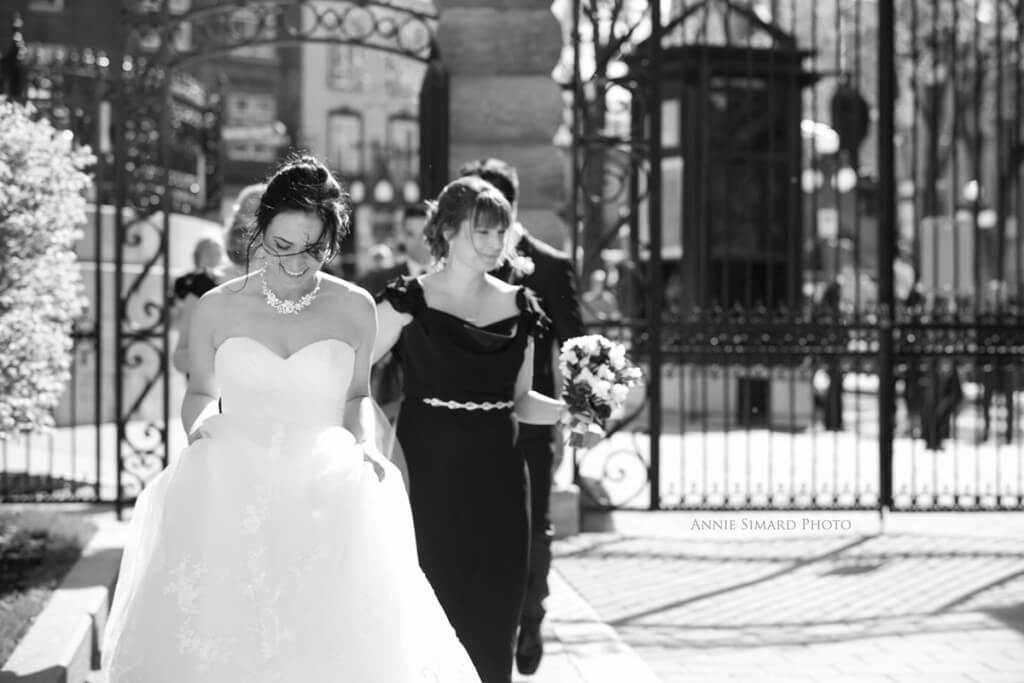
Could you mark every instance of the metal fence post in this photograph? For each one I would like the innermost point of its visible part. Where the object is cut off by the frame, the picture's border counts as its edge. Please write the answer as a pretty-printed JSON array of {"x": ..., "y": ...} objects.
[{"x": 886, "y": 247}]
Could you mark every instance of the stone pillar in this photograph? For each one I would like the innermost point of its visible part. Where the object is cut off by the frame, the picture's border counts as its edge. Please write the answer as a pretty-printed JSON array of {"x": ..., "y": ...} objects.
[{"x": 503, "y": 101}]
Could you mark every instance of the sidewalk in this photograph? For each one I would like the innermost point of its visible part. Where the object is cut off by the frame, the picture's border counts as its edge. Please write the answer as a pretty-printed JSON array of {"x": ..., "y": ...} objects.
[
  {"x": 932, "y": 597},
  {"x": 679, "y": 597}
]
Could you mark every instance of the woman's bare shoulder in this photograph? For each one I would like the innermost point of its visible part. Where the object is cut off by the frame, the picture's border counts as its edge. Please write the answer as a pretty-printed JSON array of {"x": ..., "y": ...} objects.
[
  {"x": 501, "y": 287},
  {"x": 225, "y": 297},
  {"x": 237, "y": 282},
  {"x": 348, "y": 294}
]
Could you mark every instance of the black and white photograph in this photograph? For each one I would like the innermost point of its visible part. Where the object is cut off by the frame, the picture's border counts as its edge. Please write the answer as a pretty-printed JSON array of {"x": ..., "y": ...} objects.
[{"x": 511, "y": 341}]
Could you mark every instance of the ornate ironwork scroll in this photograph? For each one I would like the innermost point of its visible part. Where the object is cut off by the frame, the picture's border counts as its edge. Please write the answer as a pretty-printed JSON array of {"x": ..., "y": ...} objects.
[{"x": 827, "y": 298}]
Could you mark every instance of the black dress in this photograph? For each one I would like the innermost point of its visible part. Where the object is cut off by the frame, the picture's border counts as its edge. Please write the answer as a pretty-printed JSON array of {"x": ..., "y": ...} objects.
[
  {"x": 196, "y": 283},
  {"x": 468, "y": 486}
]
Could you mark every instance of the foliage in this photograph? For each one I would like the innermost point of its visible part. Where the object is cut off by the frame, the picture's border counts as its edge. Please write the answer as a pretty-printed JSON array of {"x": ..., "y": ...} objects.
[
  {"x": 42, "y": 203},
  {"x": 37, "y": 548}
]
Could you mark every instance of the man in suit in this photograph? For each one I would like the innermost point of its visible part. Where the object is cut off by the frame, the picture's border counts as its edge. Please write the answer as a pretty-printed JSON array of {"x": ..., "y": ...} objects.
[
  {"x": 554, "y": 281},
  {"x": 386, "y": 377},
  {"x": 416, "y": 252}
]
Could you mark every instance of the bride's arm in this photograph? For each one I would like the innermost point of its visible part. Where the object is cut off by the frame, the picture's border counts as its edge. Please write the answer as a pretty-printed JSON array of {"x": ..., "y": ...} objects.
[
  {"x": 533, "y": 407},
  {"x": 200, "y": 400},
  {"x": 390, "y": 324},
  {"x": 360, "y": 418}
]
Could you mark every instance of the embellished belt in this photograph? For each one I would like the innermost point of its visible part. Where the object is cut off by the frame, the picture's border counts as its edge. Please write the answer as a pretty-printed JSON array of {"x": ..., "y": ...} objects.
[{"x": 468, "y": 405}]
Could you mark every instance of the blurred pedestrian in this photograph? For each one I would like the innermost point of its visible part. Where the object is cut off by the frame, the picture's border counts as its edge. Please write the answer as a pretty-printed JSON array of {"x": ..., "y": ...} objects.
[
  {"x": 599, "y": 302},
  {"x": 386, "y": 377},
  {"x": 414, "y": 253},
  {"x": 239, "y": 228},
  {"x": 207, "y": 273}
]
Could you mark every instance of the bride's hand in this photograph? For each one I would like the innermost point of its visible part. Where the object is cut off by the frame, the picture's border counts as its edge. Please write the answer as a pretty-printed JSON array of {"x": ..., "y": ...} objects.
[
  {"x": 370, "y": 455},
  {"x": 195, "y": 435}
]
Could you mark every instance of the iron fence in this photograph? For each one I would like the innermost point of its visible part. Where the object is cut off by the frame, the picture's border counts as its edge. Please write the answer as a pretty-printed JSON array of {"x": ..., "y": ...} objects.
[{"x": 808, "y": 213}]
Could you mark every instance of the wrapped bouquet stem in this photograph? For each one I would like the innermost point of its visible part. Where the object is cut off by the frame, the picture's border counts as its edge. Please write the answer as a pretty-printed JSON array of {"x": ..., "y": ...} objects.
[{"x": 598, "y": 376}]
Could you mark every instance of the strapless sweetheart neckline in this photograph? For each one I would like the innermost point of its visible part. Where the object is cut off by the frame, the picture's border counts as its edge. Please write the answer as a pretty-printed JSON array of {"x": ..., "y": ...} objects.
[{"x": 257, "y": 342}]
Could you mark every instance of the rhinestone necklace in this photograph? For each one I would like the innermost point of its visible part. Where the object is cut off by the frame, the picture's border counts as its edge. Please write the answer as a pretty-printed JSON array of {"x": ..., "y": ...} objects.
[{"x": 284, "y": 306}]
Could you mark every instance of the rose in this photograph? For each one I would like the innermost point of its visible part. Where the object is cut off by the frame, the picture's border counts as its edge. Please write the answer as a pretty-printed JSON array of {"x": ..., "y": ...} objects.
[{"x": 598, "y": 376}]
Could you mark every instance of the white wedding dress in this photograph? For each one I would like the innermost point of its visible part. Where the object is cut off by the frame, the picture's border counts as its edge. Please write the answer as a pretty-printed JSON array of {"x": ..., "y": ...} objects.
[{"x": 272, "y": 549}]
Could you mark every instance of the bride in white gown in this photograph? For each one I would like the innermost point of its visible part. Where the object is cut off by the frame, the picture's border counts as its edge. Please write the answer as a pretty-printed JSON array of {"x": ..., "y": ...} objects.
[{"x": 279, "y": 545}]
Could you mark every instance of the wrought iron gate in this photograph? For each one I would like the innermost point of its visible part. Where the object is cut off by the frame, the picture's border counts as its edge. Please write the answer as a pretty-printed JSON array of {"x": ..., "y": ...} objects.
[
  {"x": 132, "y": 105},
  {"x": 811, "y": 212}
]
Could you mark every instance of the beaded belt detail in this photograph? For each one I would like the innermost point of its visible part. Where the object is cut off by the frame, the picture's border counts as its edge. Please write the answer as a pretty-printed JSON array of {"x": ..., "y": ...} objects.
[{"x": 468, "y": 405}]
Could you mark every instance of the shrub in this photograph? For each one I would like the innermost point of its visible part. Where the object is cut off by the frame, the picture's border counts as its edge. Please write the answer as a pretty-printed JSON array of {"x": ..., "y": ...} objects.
[{"x": 42, "y": 203}]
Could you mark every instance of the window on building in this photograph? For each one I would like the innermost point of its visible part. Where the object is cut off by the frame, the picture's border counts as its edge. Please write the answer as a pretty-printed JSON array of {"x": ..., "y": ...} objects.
[
  {"x": 345, "y": 68},
  {"x": 251, "y": 151},
  {"x": 345, "y": 141},
  {"x": 403, "y": 147},
  {"x": 250, "y": 108},
  {"x": 46, "y": 5},
  {"x": 250, "y": 24},
  {"x": 150, "y": 41}
]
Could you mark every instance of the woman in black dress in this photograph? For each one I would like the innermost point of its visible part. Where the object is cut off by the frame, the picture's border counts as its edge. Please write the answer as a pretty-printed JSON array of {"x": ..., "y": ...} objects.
[{"x": 464, "y": 339}]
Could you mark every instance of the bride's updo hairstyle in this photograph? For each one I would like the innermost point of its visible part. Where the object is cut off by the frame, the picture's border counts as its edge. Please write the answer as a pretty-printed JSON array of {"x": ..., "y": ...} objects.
[
  {"x": 470, "y": 198},
  {"x": 303, "y": 183}
]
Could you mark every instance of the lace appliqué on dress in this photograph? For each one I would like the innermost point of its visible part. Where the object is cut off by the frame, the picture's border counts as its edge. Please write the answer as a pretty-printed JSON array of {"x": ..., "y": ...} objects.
[{"x": 185, "y": 587}]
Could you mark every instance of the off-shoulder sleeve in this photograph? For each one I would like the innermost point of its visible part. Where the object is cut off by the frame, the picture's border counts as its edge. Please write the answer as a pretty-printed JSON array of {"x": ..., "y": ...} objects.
[
  {"x": 536, "y": 320},
  {"x": 404, "y": 294}
]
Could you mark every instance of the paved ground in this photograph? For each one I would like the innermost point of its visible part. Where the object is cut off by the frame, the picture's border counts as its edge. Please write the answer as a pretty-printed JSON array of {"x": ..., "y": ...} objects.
[
  {"x": 928, "y": 598},
  {"x": 780, "y": 597}
]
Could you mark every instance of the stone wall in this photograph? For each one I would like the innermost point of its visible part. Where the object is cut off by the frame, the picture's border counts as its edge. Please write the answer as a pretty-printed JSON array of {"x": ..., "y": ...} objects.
[{"x": 504, "y": 103}]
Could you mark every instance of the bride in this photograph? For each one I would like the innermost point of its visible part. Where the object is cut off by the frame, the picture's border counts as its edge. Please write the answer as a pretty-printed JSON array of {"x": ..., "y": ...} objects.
[{"x": 279, "y": 546}]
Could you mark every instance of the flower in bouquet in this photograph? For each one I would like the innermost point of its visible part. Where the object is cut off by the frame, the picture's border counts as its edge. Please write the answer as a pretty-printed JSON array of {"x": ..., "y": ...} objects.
[{"x": 598, "y": 376}]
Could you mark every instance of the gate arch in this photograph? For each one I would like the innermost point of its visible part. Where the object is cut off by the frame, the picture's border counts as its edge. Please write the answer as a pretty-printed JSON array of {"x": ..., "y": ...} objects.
[{"x": 157, "y": 44}]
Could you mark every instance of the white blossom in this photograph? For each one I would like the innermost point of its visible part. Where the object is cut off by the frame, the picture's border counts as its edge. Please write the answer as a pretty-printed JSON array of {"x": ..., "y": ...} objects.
[{"x": 585, "y": 377}]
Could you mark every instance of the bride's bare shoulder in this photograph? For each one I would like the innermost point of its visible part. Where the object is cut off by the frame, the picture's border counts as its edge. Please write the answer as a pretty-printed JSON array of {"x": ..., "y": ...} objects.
[
  {"x": 235, "y": 284},
  {"x": 225, "y": 296},
  {"x": 346, "y": 293}
]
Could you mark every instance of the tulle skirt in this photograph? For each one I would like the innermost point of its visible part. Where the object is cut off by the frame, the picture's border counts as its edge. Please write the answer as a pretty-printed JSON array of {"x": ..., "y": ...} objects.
[{"x": 276, "y": 553}]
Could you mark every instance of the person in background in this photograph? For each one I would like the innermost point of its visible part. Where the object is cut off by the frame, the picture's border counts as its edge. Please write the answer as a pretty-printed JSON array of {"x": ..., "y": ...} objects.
[
  {"x": 239, "y": 228},
  {"x": 997, "y": 373},
  {"x": 414, "y": 253},
  {"x": 207, "y": 258},
  {"x": 599, "y": 302},
  {"x": 381, "y": 257},
  {"x": 386, "y": 378}
]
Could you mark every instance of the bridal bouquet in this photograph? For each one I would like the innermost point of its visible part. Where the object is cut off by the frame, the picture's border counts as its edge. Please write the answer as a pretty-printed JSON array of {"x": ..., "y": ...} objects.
[{"x": 598, "y": 376}]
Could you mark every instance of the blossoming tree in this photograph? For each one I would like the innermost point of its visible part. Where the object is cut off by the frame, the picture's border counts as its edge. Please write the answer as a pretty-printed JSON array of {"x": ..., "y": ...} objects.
[{"x": 42, "y": 203}]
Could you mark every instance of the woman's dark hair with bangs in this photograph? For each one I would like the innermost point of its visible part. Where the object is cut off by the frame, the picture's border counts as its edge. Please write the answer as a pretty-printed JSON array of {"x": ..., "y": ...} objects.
[
  {"x": 470, "y": 198},
  {"x": 303, "y": 183}
]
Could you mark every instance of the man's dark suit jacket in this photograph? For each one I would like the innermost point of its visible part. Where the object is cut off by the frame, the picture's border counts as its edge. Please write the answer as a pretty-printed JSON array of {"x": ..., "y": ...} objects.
[
  {"x": 554, "y": 282},
  {"x": 375, "y": 281}
]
